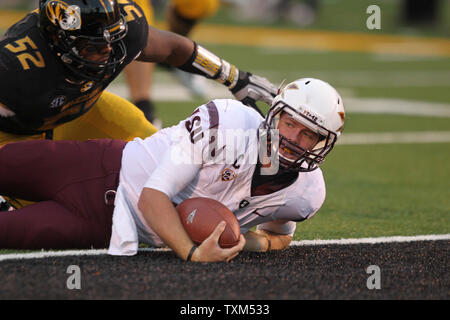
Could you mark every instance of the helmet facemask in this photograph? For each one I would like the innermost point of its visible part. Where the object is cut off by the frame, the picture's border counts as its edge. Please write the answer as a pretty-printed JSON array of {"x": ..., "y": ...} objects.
[
  {"x": 300, "y": 159},
  {"x": 69, "y": 46}
]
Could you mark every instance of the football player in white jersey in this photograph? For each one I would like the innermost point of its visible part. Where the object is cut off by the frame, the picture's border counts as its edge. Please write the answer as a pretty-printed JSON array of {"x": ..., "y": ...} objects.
[
  {"x": 265, "y": 170},
  {"x": 214, "y": 153}
]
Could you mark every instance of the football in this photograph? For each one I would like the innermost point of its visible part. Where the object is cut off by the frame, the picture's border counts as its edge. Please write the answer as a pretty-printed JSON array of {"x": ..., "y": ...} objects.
[{"x": 200, "y": 216}]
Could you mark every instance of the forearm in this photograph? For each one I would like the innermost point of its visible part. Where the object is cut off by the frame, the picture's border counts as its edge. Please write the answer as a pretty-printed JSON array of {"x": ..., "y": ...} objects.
[
  {"x": 167, "y": 47},
  {"x": 162, "y": 217},
  {"x": 263, "y": 241},
  {"x": 183, "y": 53}
]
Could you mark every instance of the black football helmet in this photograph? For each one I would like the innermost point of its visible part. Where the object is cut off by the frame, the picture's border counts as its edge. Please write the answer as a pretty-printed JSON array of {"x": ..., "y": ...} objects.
[{"x": 71, "y": 25}]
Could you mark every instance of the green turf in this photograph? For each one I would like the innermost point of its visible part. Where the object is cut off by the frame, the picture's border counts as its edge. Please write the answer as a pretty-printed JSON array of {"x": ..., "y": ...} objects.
[
  {"x": 378, "y": 190},
  {"x": 336, "y": 15},
  {"x": 364, "y": 74},
  {"x": 172, "y": 112},
  {"x": 383, "y": 190},
  {"x": 285, "y": 60},
  {"x": 437, "y": 94},
  {"x": 374, "y": 190},
  {"x": 350, "y": 15},
  {"x": 7, "y": 251},
  {"x": 356, "y": 122}
]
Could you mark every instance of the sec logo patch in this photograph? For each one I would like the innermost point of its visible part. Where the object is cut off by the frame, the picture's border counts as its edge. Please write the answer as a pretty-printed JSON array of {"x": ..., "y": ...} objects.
[{"x": 58, "y": 102}]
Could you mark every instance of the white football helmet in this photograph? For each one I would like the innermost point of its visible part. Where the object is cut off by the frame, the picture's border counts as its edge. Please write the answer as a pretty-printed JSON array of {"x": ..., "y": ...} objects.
[{"x": 316, "y": 105}]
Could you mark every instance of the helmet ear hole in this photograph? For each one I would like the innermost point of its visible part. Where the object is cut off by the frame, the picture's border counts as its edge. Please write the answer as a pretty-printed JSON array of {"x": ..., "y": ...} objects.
[{"x": 60, "y": 35}]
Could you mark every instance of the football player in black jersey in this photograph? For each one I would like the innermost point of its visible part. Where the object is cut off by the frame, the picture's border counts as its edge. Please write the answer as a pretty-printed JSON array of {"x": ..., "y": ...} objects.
[{"x": 56, "y": 63}]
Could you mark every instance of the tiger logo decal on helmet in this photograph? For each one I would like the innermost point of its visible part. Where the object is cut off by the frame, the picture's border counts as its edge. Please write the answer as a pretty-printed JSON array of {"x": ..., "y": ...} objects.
[{"x": 66, "y": 16}]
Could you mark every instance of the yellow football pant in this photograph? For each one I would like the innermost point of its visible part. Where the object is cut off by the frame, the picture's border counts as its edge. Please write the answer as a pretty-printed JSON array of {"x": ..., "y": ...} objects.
[
  {"x": 196, "y": 9},
  {"x": 110, "y": 117},
  {"x": 146, "y": 6},
  {"x": 190, "y": 9}
]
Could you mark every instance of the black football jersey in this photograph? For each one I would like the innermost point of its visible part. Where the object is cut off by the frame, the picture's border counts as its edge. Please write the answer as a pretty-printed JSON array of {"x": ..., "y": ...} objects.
[{"x": 34, "y": 84}]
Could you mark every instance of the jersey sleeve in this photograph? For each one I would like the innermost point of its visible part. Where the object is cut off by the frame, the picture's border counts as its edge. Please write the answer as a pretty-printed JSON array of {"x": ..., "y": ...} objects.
[
  {"x": 287, "y": 228},
  {"x": 22, "y": 59},
  {"x": 6, "y": 107},
  {"x": 303, "y": 202},
  {"x": 193, "y": 145},
  {"x": 10, "y": 72},
  {"x": 137, "y": 35}
]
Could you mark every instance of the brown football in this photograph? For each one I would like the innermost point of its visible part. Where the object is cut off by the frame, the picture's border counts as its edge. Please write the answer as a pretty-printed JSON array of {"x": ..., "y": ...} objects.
[{"x": 200, "y": 216}]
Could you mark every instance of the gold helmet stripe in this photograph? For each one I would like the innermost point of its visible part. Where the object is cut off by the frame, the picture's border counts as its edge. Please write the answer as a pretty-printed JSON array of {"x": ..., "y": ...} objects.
[{"x": 106, "y": 10}]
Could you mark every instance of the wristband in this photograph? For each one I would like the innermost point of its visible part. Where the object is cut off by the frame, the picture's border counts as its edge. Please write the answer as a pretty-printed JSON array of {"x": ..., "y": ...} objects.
[
  {"x": 207, "y": 64},
  {"x": 191, "y": 252}
]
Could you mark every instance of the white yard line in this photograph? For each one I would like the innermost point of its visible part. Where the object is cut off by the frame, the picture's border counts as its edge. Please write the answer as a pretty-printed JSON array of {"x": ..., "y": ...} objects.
[
  {"x": 394, "y": 137},
  {"x": 431, "y": 237},
  {"x": 369, "y": 78},
  {"x": 396, "y": 106},
  {"x": 48, "y": 254},
  {"x": 67, "y": 253},
  {"x": 175, "y": 92}
]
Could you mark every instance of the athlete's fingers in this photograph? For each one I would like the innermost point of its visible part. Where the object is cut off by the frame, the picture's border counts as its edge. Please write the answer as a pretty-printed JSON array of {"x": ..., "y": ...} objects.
[
  {"x": 239, "y": 247},
  {"x": 232, "y": 257},
  {"x": 236, "y": 249},
  {"x": 215, "y": 235},
  {"x": 241, "y": 243}
]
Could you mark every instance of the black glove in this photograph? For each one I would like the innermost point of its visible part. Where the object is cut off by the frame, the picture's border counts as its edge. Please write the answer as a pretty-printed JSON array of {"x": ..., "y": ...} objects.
[{"x": 251, "y": 88}]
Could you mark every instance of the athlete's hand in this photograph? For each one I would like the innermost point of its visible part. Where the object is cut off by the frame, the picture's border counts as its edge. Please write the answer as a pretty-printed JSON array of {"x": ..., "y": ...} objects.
[
  {"x": 251, "y": 88},
  {"x": 210, "y": 250}
]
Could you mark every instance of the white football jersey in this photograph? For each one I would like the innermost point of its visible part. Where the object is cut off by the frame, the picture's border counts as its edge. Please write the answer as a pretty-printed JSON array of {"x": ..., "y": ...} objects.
[{"x": 212, "y": 154}]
